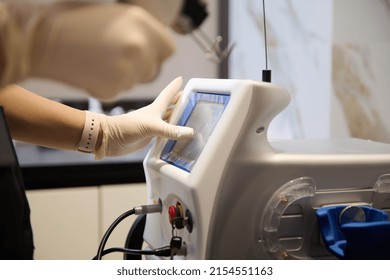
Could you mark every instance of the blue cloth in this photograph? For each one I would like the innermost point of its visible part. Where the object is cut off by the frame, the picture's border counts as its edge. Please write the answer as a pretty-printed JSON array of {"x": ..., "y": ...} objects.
[{"x": 355, "y": 240}]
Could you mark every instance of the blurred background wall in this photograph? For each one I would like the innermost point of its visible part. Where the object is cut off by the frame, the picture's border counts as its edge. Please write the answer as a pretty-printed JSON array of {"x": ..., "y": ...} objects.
[{"x": 332, "y": 56}]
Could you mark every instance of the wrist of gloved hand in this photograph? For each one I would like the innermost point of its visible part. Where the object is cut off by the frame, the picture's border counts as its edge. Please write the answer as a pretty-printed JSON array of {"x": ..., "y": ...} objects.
[{"x": 133, "y": 131}]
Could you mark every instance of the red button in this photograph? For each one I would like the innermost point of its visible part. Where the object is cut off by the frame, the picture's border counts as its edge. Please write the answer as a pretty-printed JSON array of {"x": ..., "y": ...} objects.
[{"x": 171, "y": 213}]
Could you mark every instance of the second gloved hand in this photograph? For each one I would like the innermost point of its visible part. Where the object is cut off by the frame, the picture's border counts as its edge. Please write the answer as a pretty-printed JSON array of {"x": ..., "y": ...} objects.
[
  {"x": 102, "y": 48},
  {"x": 130, "y": 132}
]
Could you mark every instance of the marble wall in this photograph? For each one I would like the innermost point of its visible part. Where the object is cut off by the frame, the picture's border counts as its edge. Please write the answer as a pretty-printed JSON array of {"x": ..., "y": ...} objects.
[
  {"x": 332, "y": 56},
  {"x": 361, "y": 68}
]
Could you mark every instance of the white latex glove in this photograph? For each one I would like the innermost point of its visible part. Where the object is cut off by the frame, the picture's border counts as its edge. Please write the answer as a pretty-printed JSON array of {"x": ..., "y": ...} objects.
[
  {"x": 130, "y": 132},
  {"x": 101, "y": 48}
]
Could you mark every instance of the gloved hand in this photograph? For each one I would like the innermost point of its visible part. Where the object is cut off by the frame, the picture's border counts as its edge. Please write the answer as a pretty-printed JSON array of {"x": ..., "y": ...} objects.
[
  {"x": 101, "y": 48},
  {"x": 127, "y": 133}
]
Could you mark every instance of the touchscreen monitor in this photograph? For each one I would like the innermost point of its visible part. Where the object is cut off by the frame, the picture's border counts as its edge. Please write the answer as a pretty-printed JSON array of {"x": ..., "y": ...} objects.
[{"x": 202, "y": 113}]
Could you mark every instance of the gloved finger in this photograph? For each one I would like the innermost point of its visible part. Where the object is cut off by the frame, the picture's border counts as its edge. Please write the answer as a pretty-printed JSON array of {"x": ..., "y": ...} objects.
[
  {"x": 168, "y": 113},
  {"x": 170, "y": 131},
  {"x": 164, "y": 99},
  {"x": 176, "y": 97},
  {"x": 169, "y": 110}
]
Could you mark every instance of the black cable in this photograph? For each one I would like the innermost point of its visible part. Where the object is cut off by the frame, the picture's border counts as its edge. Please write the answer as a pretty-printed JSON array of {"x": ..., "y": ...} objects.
[
  {"x": 161, "y": 252},
  {"x": 144, "y": 209},
  {"x": 135, "y": 237},
  {"x": 109, "y": 231}
]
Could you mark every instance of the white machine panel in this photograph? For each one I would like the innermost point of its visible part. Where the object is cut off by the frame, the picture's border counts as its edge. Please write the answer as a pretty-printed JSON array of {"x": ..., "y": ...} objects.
[{"x": 243, "y": 196}]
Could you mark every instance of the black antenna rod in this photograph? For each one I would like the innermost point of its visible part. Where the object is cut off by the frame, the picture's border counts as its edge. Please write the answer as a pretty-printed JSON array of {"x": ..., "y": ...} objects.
[
  {"x": 265, "y": 37},
  {"x": 266, "y": 73}
]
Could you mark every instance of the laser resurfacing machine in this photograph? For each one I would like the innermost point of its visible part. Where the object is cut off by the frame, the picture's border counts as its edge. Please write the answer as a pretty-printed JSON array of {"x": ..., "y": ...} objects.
[{"x": 232, "y": 193}]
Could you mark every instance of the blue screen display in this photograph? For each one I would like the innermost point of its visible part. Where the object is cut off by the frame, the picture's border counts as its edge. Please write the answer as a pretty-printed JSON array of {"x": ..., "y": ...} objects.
[{"x": 202, "y": 114}]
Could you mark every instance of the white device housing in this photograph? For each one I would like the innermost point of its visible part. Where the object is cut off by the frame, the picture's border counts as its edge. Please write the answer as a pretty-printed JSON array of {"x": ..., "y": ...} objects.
[{"x": 255, "y": 198}]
